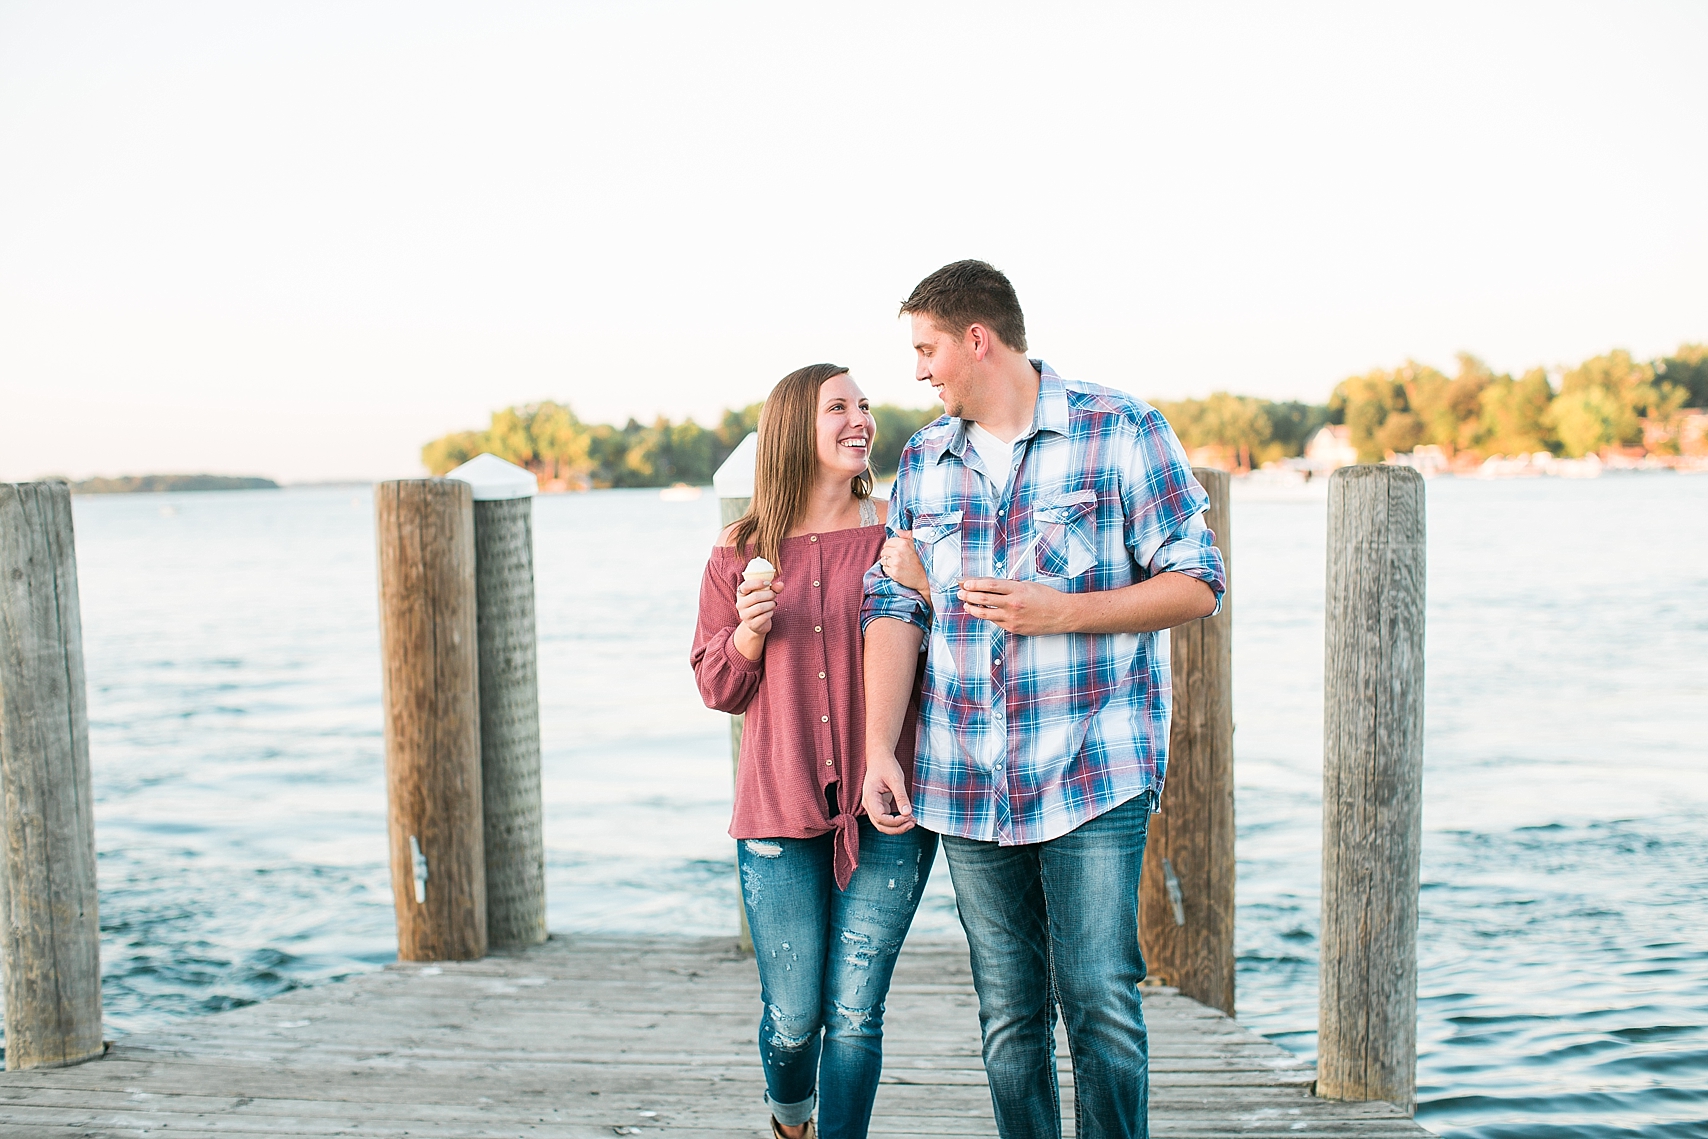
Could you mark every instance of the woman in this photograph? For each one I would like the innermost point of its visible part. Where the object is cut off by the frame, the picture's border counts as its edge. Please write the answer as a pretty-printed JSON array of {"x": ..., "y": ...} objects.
[{"x": 829, "y": 899}]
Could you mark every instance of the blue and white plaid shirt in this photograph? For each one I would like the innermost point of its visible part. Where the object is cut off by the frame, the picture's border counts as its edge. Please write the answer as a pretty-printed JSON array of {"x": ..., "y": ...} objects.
[{"x": 1022, "y": 739}]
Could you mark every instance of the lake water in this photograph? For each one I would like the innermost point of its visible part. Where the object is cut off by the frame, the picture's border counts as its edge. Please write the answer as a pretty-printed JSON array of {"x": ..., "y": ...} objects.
[{"x": 232, "y": 652}]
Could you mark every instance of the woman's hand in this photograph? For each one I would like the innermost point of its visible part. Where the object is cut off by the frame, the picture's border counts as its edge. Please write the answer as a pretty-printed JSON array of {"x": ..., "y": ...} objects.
[
  {"x": 754, "y": 605},
  {"x": 901, "y": 562},
  {"x": 885, "y": 794}
]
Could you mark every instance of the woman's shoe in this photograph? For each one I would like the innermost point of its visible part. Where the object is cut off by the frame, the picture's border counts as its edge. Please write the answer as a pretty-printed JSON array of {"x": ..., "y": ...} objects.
[{"x": 777, "y": 1132}]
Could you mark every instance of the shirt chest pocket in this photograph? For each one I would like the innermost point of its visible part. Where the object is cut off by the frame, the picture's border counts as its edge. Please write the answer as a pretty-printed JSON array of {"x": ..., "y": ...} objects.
[
  {"x": 1066, "y": 530},
  {"x": 937, "y": 537}
]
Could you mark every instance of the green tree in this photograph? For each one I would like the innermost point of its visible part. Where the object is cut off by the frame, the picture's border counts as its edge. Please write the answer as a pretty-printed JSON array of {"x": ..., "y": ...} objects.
[
  {"x": 894, "y": 427},
  {"x": 1601, "y": 403},
  {"x": 1365, "y": 404},
  {"x": 1512, "y": 415},
  {"x": 1687, "y": 368},
  {"x": 737, "y": 425},
  {"x": 1250, "y": 430},
  {"x": 1455, "y": 417},
  {"x": 546, "y": 438},
  {"x": 561, "y": 442},
  {"x": 1291, "y": 425},
  {"x": 451, "y": 451},
  {"x": 694, "y": 453},
  {"x": 1589, "y": 419},
  {"x": 605, "y": 450},
  {"x": 643, "y": 460},
  {"x": 1395, "y": 411},
  {"x": 1238, "y": 424}
]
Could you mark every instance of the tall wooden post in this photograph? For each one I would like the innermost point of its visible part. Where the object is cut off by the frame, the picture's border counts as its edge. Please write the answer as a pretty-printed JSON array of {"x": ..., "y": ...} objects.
[
  {"x": 432, "y": 717},
  {"x": 49, "y": 929},
  {"x": 1372, "y": 785},
  {"x": 514, "y": 826},
  {"x": 1186, "y": 890},
  {"x": 734, "y": 484}
]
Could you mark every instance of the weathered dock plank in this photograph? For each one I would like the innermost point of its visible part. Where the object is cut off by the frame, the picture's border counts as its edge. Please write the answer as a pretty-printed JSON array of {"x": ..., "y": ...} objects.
[{"x": 600, "y": 1036}]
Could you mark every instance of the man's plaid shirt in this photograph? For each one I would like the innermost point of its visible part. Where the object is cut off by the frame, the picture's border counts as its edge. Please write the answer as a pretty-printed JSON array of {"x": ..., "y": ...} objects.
[{"x": 1022, "y": 739}]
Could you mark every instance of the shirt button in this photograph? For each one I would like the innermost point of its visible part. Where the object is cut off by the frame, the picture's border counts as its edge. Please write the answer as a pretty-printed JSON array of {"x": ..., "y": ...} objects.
[
  {"x": 821, "y": 676},
  {"x": 824, "y": 719},
  {"x": 814, "y": 538},
  {"x": 829, "y": 763},
  {"x": 995, "y": 662},
  {"x": 818, "y": 628},
  {"x": 815, "y": 585}
]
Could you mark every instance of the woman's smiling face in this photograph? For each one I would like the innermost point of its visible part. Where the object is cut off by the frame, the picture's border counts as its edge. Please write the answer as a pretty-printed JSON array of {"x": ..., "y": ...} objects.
[{"x": 845, "y": 427}]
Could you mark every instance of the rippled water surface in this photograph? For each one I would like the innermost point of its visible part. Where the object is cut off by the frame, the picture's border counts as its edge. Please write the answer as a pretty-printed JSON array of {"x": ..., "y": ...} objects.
[{"x": 232, "y": 652}]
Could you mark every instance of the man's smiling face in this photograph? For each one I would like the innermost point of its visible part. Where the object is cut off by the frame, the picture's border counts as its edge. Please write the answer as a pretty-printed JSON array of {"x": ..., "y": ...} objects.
[{"x": 945, "y": 362}]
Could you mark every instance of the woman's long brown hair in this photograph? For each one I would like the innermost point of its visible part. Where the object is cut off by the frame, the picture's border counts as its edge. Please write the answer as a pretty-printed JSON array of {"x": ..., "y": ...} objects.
[{"x": 786, "y": 462}]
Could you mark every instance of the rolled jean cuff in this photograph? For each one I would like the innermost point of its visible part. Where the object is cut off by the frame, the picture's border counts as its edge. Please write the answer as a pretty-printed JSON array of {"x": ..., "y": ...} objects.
[{"x": 792, "y": 1114}]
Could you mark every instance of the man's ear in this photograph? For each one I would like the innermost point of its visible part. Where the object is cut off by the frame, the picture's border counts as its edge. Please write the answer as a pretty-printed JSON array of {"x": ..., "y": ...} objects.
[{"x": 979, "y": 336}]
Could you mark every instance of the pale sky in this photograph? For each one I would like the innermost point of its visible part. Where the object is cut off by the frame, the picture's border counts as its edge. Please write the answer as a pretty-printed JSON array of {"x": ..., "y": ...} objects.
[{"x": 302, "y": 239}]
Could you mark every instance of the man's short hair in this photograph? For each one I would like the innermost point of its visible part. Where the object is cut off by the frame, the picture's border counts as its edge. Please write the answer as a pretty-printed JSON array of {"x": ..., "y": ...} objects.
[{"x": 965, "y": 293}]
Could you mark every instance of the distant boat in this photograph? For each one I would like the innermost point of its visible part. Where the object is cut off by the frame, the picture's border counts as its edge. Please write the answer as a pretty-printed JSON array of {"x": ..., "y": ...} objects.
[{"x": 681, "y": 492}]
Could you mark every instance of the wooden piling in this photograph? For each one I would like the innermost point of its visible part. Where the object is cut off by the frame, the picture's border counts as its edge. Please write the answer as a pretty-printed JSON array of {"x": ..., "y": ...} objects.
[
  {"x": 730, "y": 510},
  {"x": 734, "y": 485},
  {"x": 1186, "y": 889},
  {"x": 1372, "y": 785},
  {"x": 509, "y": 699},
  {"x": 429, "y": 661},
  {"x": 49, "y": 928}
]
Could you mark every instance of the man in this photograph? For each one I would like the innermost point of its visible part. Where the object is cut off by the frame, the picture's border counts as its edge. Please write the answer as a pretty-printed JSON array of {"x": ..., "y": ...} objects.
[{"x": 1061, "y": 531}]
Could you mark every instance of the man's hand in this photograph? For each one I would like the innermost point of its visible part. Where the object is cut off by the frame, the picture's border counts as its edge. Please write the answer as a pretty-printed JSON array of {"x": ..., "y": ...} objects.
[
  {"x": 885, "y": 794},
  {"x": 1033, "y": 609},
  {"x": 1029, "y": 608}
]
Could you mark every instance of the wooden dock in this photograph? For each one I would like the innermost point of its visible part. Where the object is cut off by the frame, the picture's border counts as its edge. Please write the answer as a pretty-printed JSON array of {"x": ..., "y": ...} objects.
[{"x": 590, "y": 1036}]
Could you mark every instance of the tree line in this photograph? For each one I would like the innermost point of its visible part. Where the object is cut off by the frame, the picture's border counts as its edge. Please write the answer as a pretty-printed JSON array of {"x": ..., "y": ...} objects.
[
  {"x": 548, "y": 439},
  {"x": 1603, "y": 402}
]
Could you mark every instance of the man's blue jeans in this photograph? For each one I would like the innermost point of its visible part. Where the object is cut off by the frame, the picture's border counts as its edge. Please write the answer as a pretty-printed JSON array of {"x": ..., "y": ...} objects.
[
  {"x": 1057, "y": 924},
  {"x": 825, "y": 959}
]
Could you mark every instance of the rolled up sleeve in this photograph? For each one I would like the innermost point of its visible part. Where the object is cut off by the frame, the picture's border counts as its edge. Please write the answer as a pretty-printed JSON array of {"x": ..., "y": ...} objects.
[
  {"x": 884, "y": 596},
  {"x": 1165, "y": 509}
]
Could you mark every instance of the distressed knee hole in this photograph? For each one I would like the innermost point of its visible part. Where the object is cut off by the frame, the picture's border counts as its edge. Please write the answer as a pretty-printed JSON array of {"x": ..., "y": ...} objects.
[
  {"x": 761, "y": 849},
  {"x": 856, "y": 1017},
  {"x": 786, "y": 1043},
  {"x": 784, "y": 1040}
]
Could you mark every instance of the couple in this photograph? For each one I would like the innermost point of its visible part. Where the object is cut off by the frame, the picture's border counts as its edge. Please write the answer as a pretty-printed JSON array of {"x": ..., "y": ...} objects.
[{"x": 1037, "y": 538}]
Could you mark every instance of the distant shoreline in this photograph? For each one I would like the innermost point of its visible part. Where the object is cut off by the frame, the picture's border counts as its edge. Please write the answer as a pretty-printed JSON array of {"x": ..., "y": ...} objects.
[{"x": 169, "y": 484}]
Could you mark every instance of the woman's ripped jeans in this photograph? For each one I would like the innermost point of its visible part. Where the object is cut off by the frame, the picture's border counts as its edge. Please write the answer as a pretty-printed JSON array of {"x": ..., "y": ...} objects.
[{"x": 825, "y": 958}]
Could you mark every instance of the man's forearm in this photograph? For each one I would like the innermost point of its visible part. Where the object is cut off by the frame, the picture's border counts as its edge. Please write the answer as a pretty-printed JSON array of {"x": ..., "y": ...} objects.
[
  {"x": 891, "y": 657},
  {"x": 1161, "y": 602}
]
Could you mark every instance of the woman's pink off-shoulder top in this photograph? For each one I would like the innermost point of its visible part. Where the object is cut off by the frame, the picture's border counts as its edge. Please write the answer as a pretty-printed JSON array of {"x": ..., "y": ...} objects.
[{"x": 803, "y": 745}]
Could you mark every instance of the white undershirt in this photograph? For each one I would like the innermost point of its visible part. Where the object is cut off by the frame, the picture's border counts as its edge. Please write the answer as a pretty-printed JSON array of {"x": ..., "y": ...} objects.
[{"x": 997, "y": 456}]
